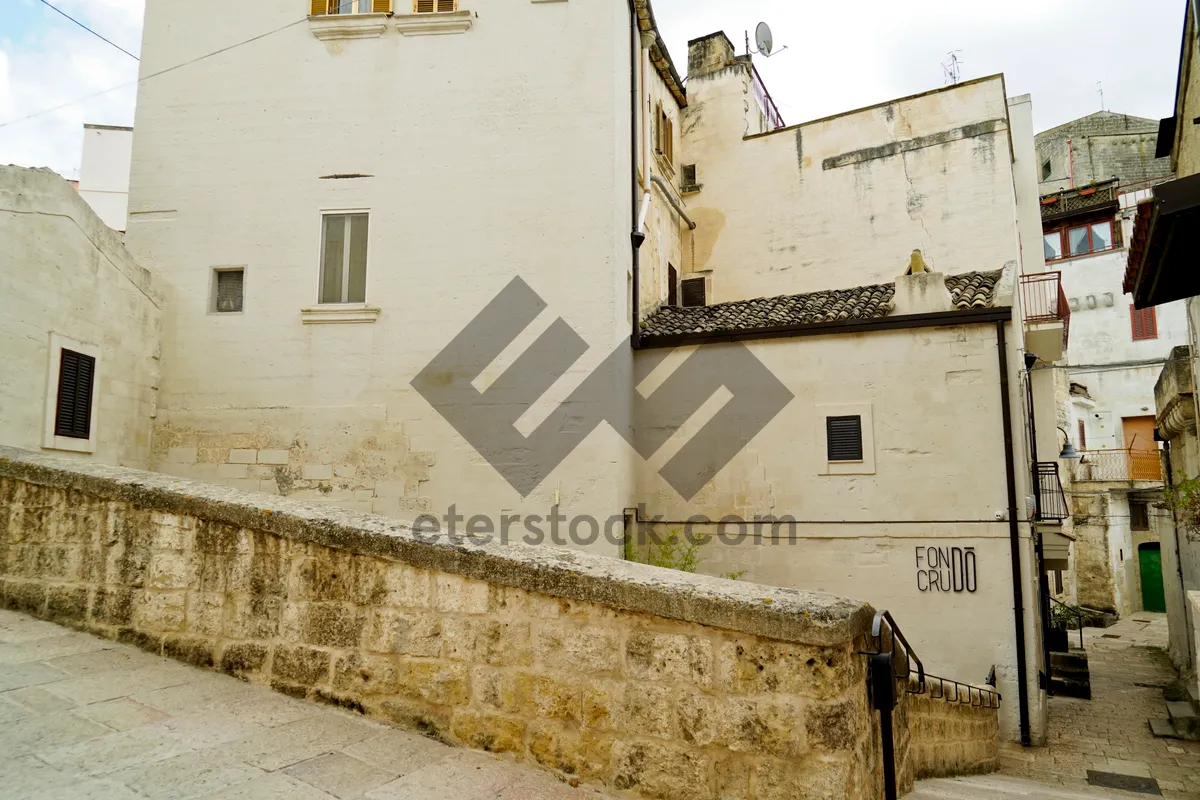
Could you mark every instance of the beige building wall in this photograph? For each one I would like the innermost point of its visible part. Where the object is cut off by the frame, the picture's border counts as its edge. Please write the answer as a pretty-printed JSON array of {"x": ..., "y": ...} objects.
[
  {"x": 66, "y": 281},
  {"x": 104, "y": 172},
  {"x": 500, "y": 151},
  {"x": 844, "y": 201}
]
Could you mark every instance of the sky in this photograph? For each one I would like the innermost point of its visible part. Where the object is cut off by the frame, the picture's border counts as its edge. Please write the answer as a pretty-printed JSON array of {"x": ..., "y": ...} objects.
[{"x": 840, "y": 56}]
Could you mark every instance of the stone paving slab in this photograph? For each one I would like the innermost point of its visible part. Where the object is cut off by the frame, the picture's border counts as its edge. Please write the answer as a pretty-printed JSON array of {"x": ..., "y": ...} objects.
[{"x": 83, "y": 717}]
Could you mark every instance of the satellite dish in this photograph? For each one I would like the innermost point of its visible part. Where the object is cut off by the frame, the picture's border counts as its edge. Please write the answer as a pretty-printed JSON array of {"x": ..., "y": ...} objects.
[{"x": 763, "y": 38}]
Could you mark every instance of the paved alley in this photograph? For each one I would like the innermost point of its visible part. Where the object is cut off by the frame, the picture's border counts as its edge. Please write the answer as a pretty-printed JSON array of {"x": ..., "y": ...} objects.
[
  {"x": 83, "y": 717},
  {"x": 1110, "y": 733}
]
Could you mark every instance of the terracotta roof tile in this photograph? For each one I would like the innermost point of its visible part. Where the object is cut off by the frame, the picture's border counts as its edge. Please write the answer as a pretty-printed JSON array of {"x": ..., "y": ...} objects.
[{"x": 970, "y": 290}]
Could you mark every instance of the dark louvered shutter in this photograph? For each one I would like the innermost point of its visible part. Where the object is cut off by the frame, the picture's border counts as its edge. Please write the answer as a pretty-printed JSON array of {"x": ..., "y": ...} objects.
[
  {"x": 844, "y": 438},
  {"x": 693, "y": 292},
  {"x": 76, "y": 377},
  {"x": 672, "y": 286}
]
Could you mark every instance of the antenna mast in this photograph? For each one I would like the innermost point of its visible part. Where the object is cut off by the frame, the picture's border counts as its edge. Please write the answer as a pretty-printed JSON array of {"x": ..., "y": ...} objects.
[{"x": 952, "y": 67}]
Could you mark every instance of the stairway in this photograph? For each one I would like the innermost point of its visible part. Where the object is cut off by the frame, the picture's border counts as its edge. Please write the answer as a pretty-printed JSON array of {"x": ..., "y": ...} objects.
[
  {"x": 1183, "y": 717},
  {"x": 1069, "y": 674},
  {"x": 998, "y": 787}
]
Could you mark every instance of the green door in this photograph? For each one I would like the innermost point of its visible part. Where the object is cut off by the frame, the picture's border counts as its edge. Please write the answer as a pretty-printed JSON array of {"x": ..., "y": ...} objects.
[{"x": 1150, "y": 564}]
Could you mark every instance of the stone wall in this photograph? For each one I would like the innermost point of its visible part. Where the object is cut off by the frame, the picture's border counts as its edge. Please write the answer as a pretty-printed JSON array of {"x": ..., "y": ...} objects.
[
  {"x": 614, "y": 674},
  {"x": 948, "y": 737}
]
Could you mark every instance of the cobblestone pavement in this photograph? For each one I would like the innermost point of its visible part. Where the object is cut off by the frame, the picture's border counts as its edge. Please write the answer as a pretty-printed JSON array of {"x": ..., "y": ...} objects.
[
  {"x": 83, "y": 717},
  {"x": 1110, "y": 732}
]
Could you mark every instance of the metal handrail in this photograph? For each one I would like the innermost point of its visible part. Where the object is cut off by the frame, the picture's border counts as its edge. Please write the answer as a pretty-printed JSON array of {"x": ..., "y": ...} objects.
[
  {"x": 883, "y": 673},
  {"x": 1072, "y": 611}
]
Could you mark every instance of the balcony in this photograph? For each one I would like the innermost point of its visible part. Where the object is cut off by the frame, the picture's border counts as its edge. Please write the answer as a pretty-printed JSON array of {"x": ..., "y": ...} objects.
[
  {"x": 770, "y": 111},
  {"x": 1047, "y": 315},
  {"x": 1050, "y": 500},
  {"x": 1117, "y": 466}
]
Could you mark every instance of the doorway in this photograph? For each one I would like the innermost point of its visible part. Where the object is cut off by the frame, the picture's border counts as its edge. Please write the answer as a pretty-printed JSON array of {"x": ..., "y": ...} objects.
[{"x": 1150, "y": 568}]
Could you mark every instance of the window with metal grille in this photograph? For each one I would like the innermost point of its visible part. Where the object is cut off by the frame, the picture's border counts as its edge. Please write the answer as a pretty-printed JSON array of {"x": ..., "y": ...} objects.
[
  {"x": 227, "y": 294},
  {"x": 344, "y": 258},
  {"x": 843, "y": 437},
  {"x": 1144, "y": 323},
  {"x": 433, "y": 6},
  {"x": 688, "y": 176},
  {"x": 694, "y": 292},
  {"x": 76, "y": 379},
  {"x": 1139, "y": 516},
  {"x": 672, "y": 286}
]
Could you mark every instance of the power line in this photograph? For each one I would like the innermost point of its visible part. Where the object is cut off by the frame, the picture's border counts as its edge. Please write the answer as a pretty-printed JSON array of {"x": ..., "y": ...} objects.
[
  {"x": 89, "y": 30},
  {"x": 151, "y": 75}
]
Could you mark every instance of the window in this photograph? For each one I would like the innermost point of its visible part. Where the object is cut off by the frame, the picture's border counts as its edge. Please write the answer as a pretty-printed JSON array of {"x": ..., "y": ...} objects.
[
  {"x": 1052, "y": 244},
  {"x": 432, "y": 6},
  {"x": 76, "y": 380},
  {"x": 688, "y": 179},
  {"x": 843, "y": 438},
  {"x": 321, "y": 7},
  {"x": 694, "y": 292},
  {"x": 664, "y": 136},
  {"x": 1144, "y": 323},
  {"x": 227, "y": 290},
  {"x": 672, "y": 286},
  {"x": 1082, "y": 435},
  {"x": 343, "y": 258},
  {"x": 1139, "y": 516},
  {"x": 1047, "y": 170}
]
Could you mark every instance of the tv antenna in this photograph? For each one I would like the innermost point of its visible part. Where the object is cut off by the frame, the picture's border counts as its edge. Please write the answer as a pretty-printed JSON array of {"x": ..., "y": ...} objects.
[
  {"x": 952, "y": 67},
  {"x": 764, "y": 40},
  {"x": 1100, "y": 91}
]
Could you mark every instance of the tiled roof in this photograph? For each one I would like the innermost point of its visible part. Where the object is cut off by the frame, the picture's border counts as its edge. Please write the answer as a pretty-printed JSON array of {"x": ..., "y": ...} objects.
[{"x": 970, "y": 290}]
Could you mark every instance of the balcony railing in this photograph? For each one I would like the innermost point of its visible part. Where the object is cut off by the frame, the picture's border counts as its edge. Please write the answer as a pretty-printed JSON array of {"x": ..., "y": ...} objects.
[
  {"x": 1051, "y": 502},
  {"x": 1044, "y": 300},
  {"x": 765, "y": 103},
  {"x": 1118, "y": 465}
]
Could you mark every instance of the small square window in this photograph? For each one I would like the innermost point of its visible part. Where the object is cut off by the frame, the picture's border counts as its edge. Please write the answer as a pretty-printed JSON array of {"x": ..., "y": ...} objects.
[
  {"x": 1052, "y": 245},
  {"x": 1144, "y": 323},
  {"x": 1047, "y": 170},
  {"x": 1139, "y": 516},
  {"x": 843, "y": 436},
  {"x": 688, "y": 178},
  {"x": 343, "y": 258},
  {"x": 228, "y": 284}
]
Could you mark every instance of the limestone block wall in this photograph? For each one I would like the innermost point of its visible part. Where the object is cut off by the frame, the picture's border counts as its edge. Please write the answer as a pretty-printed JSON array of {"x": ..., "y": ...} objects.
[{"x": 947, "y": 737}]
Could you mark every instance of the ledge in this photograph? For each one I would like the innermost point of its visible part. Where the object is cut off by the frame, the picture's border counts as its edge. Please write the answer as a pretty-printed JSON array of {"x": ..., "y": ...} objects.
[
  {"x": 339, "y": 314},
  {"x": 791, "y": 615},
  {"x": 434, "y": 23},
  {"x": 348, "y": 26}
]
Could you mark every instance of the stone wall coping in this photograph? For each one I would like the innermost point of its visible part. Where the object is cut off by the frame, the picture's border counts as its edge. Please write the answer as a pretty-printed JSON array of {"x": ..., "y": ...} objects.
[{"x": 791, "y": 615}]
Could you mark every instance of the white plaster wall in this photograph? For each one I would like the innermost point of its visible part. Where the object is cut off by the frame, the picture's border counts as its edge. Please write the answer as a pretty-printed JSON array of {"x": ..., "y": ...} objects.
[
  {"x": 62, "y": 271},
  {"x": 773, "y": 220},
  {"x": 939, "y": 479},
  {"x": 665, "y": 229},
  {"x": 104, "y": 172},
  {"x": 499, "y": 152}
]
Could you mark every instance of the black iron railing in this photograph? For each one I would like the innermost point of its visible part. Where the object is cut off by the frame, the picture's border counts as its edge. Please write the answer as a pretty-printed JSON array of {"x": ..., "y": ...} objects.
[
  {"x": 1051, "y": 502},
  {"x": 1063, "y": 613},
  {"x": 890, "y": 672}
]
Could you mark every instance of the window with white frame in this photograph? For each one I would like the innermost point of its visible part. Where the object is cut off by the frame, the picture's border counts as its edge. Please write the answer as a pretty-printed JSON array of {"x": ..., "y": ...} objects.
[
  {"x": 71, "y": 394},
  {"x": 343, "y": 257},
  {"x": 323, "y": 7}
]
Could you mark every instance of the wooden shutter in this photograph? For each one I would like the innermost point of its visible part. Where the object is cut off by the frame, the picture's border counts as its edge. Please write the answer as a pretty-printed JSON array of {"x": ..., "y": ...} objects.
[
  {"x": 1144, "y": 323},
  {"x": 672, "y": 286},
  {"x": 381, "y": 6},
  {"x": 76, "y": 376},
  {"x": 843, "y": 437},
  {"x": 694, "y": 293},
  {"x": 318, "y": 7},
  {"x": 431, "y": 6},
  {"x": 1082, "y": 435},
  {"x": 447, "y": 5}
]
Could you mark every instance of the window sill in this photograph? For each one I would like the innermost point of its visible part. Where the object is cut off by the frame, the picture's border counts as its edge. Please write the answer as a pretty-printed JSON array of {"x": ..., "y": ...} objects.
[
  {"x": 433, "y": 23},
  {"x": 690, "y": 190},
  {"x": 348, "y": 26},
  {"x": 69, "y": 445},
  {"x": 339, "y": 314}
]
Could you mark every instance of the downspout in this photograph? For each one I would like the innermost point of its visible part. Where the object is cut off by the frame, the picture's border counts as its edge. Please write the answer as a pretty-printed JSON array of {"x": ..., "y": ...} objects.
[
  {"x": 666, "y": 190},
  {"x": 1187, "y": 626},
  {"x": 636, "y": 236},
  {"x": 1014, "y": 534},
  {"x": 1071, "y": 162},
  {"x": 1038, "y": 551}
]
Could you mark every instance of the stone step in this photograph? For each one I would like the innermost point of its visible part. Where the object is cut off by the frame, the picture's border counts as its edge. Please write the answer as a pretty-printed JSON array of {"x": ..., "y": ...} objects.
[
  {"x": 1075, "y": 659},
  {"x": 996, "y": 787},
  {"x": 1066, "y": 687},
  {"x": 1194, "y": 692},
  {"x": 1183, "y": 716}
]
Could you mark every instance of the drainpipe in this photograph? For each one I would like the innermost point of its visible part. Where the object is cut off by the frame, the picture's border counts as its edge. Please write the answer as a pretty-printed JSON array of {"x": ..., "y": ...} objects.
[
  {"x": 1071, "y": 162},
  {"x": 1187, "y": 625},
  {"x": 1014, "y": 535},
  {"x": 666, "y": 190},
  {"x": 1038, "y": 551},
  {"x": 637, "y": 235}
]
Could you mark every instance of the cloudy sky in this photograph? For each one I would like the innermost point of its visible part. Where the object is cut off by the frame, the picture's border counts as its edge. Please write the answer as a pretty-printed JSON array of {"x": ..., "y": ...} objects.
[{"x": 840, "y": 56}]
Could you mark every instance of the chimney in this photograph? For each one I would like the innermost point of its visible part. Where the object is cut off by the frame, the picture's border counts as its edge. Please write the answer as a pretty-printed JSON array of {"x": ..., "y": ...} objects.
[{"x": 709, "y": 54}]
